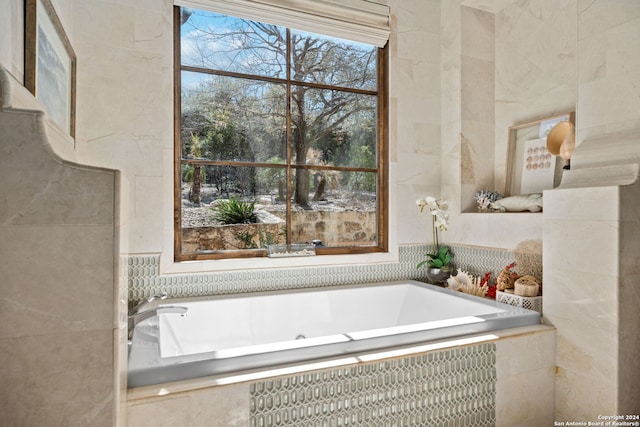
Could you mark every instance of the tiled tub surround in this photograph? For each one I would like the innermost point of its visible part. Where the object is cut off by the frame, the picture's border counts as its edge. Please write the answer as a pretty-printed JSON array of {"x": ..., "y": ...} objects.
[
  {"x": 500, "y": 379},
  {"x": 445, "y": 387},
  {"x": 230, "y": 334},
  {"x": 143, "y": 277},
  {"x": 524, "y": 358}
]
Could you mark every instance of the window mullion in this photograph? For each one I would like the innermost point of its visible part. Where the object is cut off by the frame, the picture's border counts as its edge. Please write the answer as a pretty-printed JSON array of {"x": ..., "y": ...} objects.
[{"x": 288, "y": 215}]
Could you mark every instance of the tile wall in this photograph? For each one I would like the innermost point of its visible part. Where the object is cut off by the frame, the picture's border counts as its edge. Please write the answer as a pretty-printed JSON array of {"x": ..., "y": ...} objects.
[
  {"x": 454, "y": 387},
  {"x": 57, "y": 278},
  {"x": 142, "y": 273},
  {"x": 499, "y": 383}
]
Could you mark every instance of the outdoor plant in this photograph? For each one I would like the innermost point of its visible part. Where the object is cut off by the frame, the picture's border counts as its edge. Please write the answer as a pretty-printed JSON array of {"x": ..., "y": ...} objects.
[
  {"x": 248, "y": 242},
  {"x": 235, "y": 211}
]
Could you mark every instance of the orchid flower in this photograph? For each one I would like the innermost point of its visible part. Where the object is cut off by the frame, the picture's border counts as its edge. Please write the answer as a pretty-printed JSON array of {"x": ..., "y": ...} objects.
[{"x": 439, "y": 215}]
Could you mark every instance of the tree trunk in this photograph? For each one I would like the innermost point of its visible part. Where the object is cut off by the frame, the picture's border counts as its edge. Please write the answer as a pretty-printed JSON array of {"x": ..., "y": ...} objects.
[
  {"x": 320, "y": 189},
  {"x": 194, "y": 193},
  {"x": 302, "y": 188},
  {"x": 301, "y": 195}
]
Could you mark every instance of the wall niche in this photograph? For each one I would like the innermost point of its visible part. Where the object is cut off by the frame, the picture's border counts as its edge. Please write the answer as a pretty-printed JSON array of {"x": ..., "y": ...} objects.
[{"x": 518, "y": 64}]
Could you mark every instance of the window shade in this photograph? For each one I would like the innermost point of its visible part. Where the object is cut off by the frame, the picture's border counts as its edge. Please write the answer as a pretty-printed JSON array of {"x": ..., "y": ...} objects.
[{"x": 365, "y": 21}]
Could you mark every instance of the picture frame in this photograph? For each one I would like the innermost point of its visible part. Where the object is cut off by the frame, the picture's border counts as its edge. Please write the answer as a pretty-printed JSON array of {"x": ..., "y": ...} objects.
[
  {"x": 530, "y": 167},
  {"x": 50, "y": 64}
]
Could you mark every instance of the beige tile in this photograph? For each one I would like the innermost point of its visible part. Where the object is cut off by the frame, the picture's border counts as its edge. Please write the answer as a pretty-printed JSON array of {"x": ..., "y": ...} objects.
[
  {"x": 478, "y": 34},
  {"x": 57, "y": 379},
  {"x": 574, "y": 294},
  {"x": 594, "y": 354},
  {"x": 59, "y": 278},
  {"x": 598, "y": 16},
  {"x": 608, "y": 76},
  {"x": 150, "y": 25},
  {"x": 225, "y": 406},
  {"x": 105, "y": 23},
  {"x": 166, "y": 412},
  {"x": 580, "y": 204},
  {"x": 583, "y": 396},
  {"x": 478, "y": 89},
  {"x": 525, "y": 368},
  {"x": 68, "y": 195},
  {"x": 563, "y": 250},
  {"x": 228, "y": 405}
]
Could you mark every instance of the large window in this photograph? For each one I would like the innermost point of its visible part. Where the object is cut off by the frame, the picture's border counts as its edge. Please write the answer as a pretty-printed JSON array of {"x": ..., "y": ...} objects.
[{"x": 280, "y": 138}]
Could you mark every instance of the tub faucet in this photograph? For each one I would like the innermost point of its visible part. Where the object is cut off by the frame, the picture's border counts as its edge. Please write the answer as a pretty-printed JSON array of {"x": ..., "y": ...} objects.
[
  {"x": 135, "y": 310},
  {"x": 136, "y": 318}
]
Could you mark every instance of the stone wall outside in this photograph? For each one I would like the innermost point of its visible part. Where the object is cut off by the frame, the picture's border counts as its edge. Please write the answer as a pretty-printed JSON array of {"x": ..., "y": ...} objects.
[{"x": 333, "y": 228}]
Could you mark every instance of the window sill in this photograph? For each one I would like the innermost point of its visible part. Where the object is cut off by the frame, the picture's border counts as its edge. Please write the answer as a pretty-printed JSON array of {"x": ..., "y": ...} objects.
[
  {"x": 168, "y": 266},
  {"x": 473, "y": 212}
]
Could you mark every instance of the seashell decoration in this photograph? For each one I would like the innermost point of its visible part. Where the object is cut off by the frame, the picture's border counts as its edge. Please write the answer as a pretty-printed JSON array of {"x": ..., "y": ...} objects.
[
  {"x": 465, "y": 282},
  {"x": 462, "y": 278},
  {"x": 531, "y": 203},
  {"x": 506, "y": 278},
  {"x": 484, "y": 198},
  {"x": 474, "y": 288}
]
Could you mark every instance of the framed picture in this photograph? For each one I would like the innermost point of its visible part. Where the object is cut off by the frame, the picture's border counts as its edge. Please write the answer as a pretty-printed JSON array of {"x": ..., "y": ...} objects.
[
  {"x": 531, "y": 168},
  {"x": 50, "y": 63}
]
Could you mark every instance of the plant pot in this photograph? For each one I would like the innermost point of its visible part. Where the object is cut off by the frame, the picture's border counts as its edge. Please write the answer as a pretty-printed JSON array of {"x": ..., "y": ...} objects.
[{"x": 437, "y": 276}]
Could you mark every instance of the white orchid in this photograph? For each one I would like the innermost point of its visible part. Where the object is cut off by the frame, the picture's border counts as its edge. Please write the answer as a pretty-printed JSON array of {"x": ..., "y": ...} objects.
[
  {"x": 438, "y": 209},
  {"x": 439, "y": 217}
]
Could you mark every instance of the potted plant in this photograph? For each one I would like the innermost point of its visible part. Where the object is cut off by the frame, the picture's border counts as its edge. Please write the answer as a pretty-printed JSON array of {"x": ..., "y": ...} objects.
[
  {"x": 439, "y": 262},
  {"x": 438, "y": 265}
]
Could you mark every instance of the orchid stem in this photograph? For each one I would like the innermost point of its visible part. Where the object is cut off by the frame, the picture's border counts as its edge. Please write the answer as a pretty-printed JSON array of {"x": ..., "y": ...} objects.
[{"x": 435, "y": 233}]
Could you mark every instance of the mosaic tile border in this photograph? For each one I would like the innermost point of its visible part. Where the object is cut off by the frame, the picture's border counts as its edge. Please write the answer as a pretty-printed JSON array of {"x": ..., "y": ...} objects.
[
  {"x": 143, "y": 278},
  {"x": 453, "y": 387}
]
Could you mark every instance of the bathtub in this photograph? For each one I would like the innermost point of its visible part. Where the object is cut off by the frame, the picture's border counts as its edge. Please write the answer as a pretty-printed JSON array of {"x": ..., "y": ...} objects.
[{"x": 228, "y": 334}]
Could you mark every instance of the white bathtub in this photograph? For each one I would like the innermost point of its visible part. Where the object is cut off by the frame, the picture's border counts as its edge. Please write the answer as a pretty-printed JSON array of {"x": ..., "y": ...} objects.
[{"x": 229, "y": 334}]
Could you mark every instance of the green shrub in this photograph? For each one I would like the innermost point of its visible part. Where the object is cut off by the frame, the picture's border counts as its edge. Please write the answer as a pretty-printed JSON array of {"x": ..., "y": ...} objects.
[{"x": 235, "y": 211}]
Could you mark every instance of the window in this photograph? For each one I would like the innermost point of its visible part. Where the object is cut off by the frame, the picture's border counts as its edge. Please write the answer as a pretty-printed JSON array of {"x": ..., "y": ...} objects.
[{"x": 280, "y": 138}]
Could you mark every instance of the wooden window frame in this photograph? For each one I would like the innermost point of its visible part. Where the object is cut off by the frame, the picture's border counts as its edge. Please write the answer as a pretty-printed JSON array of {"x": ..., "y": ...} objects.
[{"x": 382, "y": 169}]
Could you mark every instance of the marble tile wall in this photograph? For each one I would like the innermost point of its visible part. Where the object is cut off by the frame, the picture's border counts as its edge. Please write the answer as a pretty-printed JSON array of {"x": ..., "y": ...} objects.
[
  {"x": 56, "y": 277},
  {"x": 608, "y": 67},
  {"x": 477, "y": 141},
  {"x": 503, "y": 63},
  {"x": 591, "y": 250},
  {"x": 581, "y": 298},
  {"x": 526, "y": 378},
  {"x": 628, "y": 301},
  {"x": 591, "y": 258},
  {"x": 11, "y": 29},
  {"x": 536, "y": 62}
]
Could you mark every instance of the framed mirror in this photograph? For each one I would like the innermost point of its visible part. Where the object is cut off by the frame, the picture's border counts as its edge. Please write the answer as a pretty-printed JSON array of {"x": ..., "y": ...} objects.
[{"x": 531, "y": 168}]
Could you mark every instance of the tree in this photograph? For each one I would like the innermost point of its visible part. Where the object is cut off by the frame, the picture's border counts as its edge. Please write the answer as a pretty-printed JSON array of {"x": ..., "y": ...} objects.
[
  {"x": 329, "y": 80},
  {"x": 196, "y": 173},
  {"x": 209, "y": 117}
]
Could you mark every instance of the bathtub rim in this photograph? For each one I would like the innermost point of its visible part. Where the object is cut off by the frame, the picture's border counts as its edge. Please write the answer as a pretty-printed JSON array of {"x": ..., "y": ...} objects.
[
  {"x": 204, "y": 361},
  {"x": 251, "y": 375}
]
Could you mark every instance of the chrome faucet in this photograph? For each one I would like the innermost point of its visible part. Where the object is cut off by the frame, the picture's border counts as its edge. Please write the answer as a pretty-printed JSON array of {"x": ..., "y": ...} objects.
[
  {"x": 144, "y": 315},
  {"x": 137, "y": 314},
  {"x": 135, "y": 310}
]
